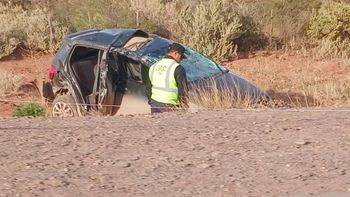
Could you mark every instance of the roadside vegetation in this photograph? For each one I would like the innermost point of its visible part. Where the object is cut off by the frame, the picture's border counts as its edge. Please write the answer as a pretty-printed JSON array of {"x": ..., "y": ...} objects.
[
  {"x": 224, "y": 30},
  {"x": 209, "y": 97},
  {"x": 30, "y": 110},
  {"x": 9, "y": 83}
]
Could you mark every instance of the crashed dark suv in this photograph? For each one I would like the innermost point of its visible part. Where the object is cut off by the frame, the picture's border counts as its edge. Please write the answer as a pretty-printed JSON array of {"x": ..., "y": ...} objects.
[{"x": 105, "y": 71}]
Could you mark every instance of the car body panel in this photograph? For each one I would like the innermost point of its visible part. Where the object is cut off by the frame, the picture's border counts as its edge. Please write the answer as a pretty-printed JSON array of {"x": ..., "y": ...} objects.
[
  {"x": 96, "y": 38},
  {"x": 103, "y": 38}
]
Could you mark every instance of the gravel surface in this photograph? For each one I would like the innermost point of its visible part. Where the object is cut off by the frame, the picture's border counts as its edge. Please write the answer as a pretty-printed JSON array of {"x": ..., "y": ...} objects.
[{"x": 221, "y": 153}]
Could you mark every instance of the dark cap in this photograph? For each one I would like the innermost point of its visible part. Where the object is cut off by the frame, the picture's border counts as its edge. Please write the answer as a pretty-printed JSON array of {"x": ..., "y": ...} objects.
[{"x": 178, "y": 48}]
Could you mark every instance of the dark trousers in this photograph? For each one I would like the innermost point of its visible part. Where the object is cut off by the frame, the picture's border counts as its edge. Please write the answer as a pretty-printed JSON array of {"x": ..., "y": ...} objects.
[{"x": 157, "y": 107}]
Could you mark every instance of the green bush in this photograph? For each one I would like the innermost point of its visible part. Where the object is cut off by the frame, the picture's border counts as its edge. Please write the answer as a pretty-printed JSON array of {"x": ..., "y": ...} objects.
[
  {"x": 332, "y": 23},
  {"x": 30, "y": 109},
  {"x": 210, "y": 29}
]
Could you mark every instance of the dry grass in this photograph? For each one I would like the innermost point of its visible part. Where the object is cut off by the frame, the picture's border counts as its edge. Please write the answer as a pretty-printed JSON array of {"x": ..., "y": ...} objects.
[
  {"x": 10, "y": 34},
  {"x": 9, "y": 83},
  {"x": 296, "y": 81},
  {"x": 35, "y": 30},
  {"x": 160, "y": 12},
  {"x": 210, "y": 97}
]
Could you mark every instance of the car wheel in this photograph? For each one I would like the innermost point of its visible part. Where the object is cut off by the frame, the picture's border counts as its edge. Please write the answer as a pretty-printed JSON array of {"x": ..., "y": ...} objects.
[{"x": 64, "y": 106}]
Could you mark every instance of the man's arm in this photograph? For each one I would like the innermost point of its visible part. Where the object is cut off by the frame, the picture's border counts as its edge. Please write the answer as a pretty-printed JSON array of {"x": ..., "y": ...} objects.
[{"x": 181, "y": 80}]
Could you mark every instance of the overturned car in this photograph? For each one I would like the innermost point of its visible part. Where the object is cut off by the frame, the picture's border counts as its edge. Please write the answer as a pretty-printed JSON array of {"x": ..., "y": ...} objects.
[{"x": 105, "y": 71}]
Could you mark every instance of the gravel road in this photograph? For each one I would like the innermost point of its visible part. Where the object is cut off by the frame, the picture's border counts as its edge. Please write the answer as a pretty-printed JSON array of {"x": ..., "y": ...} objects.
[{"x": 235, "y": 153}]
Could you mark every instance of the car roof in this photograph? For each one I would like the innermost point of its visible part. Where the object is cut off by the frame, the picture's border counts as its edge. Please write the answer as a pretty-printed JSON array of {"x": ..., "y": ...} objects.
[{"x": 102, "y": 38}]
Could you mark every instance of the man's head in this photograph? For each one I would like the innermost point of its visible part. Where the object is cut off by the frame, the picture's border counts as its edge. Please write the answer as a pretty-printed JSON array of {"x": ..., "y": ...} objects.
[{"x": 177, "y": 51}]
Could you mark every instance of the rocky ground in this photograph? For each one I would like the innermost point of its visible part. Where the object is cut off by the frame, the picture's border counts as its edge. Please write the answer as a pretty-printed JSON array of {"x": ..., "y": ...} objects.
[{"x": 229, "y": 153}]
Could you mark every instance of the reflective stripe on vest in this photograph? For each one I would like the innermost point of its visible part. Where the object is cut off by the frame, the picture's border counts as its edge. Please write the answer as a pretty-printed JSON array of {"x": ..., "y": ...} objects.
[{"x": 164, "y": 86}]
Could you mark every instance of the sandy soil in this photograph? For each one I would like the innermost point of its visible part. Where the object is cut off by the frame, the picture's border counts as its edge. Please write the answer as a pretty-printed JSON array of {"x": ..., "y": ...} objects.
[
  {"x": 228, "y": 153},
  {"x": 29, "y": 69},
  {"x": 296, "y": 80},
  {"x": 275, "y": 72}
]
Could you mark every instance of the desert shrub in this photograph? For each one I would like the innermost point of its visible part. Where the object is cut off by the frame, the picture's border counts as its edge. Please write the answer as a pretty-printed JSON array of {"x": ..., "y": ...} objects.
[
  {"x": 30, "y": 109},
  {"x": 89, "y": 14},
  {"x": 331, "y": 26},
  {"x": 210, "y": 29},
  {"x": 127, "y": 17},
  {"x": 10, "y": 32},
  {"x": 327, "y": 48},
  {"x": 252, "y": 37},
  {"x": 7, "y": 44},
  {"x": 160, "y": 11},
  {"x": 33, "y": 29},
  {"x": 100, "y": 14},
  {"x": 9, "y": 82},
  {"x": 42, "y": 33},
  {"x": 28, "y": 4},
  {"x": 286, "y": 20}
]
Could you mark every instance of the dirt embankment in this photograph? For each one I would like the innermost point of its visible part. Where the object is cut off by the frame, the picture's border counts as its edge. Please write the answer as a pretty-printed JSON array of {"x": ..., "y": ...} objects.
[{"x": 229, "y": 153}]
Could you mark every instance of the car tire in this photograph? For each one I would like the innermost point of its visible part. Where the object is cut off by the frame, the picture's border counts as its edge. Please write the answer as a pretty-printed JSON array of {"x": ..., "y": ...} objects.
[{"x": 64, "y": 106}]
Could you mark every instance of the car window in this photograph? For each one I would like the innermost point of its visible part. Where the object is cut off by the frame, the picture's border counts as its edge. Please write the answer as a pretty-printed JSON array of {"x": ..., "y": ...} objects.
[
  {"x": 154, "y": 50},
  {"x": 197, "y": 66}
]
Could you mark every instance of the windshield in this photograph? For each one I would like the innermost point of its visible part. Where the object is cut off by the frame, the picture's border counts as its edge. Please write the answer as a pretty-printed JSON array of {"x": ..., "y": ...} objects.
[{"x": 197, "y": 66}]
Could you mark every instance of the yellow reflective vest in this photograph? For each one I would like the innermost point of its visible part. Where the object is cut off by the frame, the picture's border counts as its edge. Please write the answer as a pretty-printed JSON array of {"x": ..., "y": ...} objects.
[{"x": 164, "y": 86}]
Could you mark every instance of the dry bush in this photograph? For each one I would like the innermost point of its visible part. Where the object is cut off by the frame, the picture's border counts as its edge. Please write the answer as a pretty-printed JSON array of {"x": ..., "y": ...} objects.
[
  {"x": 252, "y": 37},
  {"x": 162, "y": 12},
  {"x": 101, "y": 14},
  {"x": 28, "y": 4},
  {"x": 210, "y": 29},
  {"x": 34, "y": 29},
  {"x": 11, "y": 29},
  {"x": 328, "y": 49},
  {"x": 90, "y": 14},
  {"x": 285, "y": 21},
  {"x": 41, "y": 32},
  {"x": 9, "y": 82},
  {"x": 136, "y": 19}
]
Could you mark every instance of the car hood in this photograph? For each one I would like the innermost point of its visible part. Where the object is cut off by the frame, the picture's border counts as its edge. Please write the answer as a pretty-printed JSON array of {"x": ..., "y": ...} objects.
[{"x": 232, "y": 84}]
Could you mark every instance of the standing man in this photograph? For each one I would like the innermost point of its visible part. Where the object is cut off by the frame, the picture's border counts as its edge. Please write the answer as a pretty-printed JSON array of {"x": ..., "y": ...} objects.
[{"x": 167, "y": 89}]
